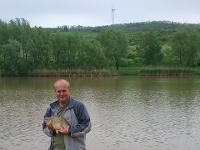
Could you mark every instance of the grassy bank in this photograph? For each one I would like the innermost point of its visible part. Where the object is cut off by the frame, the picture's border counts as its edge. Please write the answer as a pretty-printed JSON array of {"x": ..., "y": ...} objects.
[
  {"x": 166, "y": 72},
  {"x": 197, "y": 70},
  {"x": 129, "y": 70},
  {"x": 141, "y": 71},
  {"x": 158, "y": 71},
  {"x": 72, "y": 73}
]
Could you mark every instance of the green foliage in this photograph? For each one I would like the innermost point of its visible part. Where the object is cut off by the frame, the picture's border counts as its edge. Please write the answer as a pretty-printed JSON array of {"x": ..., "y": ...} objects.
[
  {"x": 13, "y": 63},
  {"x": 150, "y": 50},
  {"x": 88, "y": 50},
  {"x": 186, "y": 46},
  {"x": 136, "y": 27},
  {"x": 115, "y": 45},
  {"x": 129, "y": 70}
]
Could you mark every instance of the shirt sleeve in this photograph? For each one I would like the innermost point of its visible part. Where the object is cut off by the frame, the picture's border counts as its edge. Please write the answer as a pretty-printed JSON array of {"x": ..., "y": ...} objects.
[
  {"x": 84, "y": 122},
  {"x": 46, "y": 130}
]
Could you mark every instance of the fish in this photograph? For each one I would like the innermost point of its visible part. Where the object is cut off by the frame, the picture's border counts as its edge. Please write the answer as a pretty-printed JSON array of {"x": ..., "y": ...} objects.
[{"x": 56, "y": 122}]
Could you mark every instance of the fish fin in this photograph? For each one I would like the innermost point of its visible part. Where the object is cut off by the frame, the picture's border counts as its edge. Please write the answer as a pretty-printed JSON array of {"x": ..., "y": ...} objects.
[{"x": 57, "y": 131}]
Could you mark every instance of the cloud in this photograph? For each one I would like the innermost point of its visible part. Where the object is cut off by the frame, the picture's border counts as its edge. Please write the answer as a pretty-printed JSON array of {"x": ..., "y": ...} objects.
[{"x": 53, "y": 13}]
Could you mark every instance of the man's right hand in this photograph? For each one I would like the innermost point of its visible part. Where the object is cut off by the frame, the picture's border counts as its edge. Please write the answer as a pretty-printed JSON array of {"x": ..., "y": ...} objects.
[{"x": 50, "y": 126}]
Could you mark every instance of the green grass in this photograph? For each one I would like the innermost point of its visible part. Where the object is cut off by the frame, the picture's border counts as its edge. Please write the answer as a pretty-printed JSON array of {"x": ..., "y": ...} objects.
[
  {"x": 152, "y": 71},
  {"x": 157, "y": 71},
  {"x": 129, "y": 70},
  {"x": 197, "y": 70},
  {"x": 165, "y": 71}
]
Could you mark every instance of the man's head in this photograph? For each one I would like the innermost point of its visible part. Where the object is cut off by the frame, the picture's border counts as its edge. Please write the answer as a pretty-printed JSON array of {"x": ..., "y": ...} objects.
[{"x": 62, "y": 90}]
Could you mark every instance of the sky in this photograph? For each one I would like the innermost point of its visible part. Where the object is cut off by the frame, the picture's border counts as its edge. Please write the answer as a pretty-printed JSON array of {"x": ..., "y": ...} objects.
[{"x": 54, "y": 13}]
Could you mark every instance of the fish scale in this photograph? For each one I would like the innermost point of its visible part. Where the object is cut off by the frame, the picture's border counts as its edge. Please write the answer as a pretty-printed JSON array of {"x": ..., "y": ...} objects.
[{"x": 56, "y": 122}]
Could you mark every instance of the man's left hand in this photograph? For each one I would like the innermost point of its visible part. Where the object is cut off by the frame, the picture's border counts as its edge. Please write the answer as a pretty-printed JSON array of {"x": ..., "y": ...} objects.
[{"x": 64, "y": 130}]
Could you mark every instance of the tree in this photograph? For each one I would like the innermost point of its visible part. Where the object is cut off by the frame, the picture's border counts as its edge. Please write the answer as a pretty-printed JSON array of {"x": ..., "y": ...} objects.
[
  {"x": 185, "y": 46},
  {"x": 115, "y": 45},
  {"x": 4, "y": 33},
  {"x": 91, "y": 55},
  {"x": 59, "y": 45},
  {"x": 33, "y": 53},
  {"x": 74, "y": 42},
  {"x": 14, "y": 63},
  {"x": 41, "y": 44},
  {"x": 149, "y": 49}
]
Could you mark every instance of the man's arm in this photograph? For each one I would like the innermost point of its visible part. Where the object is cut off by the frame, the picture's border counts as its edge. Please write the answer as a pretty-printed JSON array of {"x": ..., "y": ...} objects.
[
  {"x": 84, "y": 122},
  {"x": 48, "y": 129}
]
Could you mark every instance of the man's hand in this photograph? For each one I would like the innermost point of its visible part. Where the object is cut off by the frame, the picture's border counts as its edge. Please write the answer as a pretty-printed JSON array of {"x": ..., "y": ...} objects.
[
  {"x": 64, "y": 130},
  {"x": 50, "y": 126}
]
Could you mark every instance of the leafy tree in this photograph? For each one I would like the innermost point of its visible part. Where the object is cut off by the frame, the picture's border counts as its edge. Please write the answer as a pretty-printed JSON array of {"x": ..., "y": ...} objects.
[
  {"x": 186, "y": 46},
  {"x": 41, "y": 40},
  {"x": 65, "y": 28},
  {"x": 14, "y": 62},
  {"x": 115, "y": 45},
  {"x": 169, "y": 58},
  {"x": 74, "y": 48},
  {"x": 91, "y": 55},
  {"x": 149, "y": 49},
  {"x": 132, "y": 58},
  {"x": 26, "y": 34},
  {"x": 33, "y": 53},
  {"x": 4, "y": 33}
]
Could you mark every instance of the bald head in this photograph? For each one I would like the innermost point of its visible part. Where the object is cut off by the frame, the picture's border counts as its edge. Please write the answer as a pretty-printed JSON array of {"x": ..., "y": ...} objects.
[
  {"x": 62, "y": 90},
  {"x": 61, "y": 81}
]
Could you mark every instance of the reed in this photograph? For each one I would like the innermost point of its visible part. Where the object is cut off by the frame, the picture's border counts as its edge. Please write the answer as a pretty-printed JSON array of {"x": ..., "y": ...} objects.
[
  {"x": 166, "y": 72},
  {"x": 72, "y": 73},
  {"x": 129, "y": 70}
]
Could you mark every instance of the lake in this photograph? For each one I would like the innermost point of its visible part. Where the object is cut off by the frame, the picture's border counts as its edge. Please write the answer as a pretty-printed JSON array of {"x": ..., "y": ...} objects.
[{"x": 127, "y": 112}]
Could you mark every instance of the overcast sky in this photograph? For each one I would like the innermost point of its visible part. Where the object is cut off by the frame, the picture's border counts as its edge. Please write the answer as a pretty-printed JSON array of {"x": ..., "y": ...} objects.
[{"x": 53, "y": 13}]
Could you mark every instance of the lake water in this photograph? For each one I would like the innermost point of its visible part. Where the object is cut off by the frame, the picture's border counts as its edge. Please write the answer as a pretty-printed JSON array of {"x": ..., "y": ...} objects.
[{"x": 127, "y": 113}]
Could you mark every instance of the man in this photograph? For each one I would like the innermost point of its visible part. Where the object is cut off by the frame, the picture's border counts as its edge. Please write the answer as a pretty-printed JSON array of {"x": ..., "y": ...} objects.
[{"x": 74, "y": 112}]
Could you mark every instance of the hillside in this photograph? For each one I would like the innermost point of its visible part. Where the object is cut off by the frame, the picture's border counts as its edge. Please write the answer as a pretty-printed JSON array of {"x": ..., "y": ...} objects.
[{"x": 130, "y": 27}]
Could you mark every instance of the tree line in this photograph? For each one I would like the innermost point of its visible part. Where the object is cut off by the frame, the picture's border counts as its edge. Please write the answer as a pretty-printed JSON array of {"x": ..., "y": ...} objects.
[
  {"x": 179, "y": 48},
  {"x": 24, "y": 49},
  {"x": 129, "y": 27}
]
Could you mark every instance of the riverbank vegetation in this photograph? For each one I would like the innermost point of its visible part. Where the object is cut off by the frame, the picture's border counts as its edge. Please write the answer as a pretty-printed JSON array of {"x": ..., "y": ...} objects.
[{"x": 153, "y": 48}]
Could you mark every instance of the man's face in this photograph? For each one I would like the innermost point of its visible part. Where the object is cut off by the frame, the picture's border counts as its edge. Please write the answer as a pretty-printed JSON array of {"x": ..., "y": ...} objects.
[{"x": 62, "y": 92}]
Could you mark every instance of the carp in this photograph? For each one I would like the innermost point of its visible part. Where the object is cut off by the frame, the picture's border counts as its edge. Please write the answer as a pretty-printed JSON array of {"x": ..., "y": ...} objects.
[{"x": 56, "y": 122}]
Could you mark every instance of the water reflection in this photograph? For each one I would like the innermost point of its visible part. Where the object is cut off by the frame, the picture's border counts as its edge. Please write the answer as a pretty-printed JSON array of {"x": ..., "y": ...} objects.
[{"x": 127, "y": 112}]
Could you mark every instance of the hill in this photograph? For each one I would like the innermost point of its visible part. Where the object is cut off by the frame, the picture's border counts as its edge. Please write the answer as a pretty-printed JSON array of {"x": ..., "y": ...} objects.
[{"x": 129, "y": 27}]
